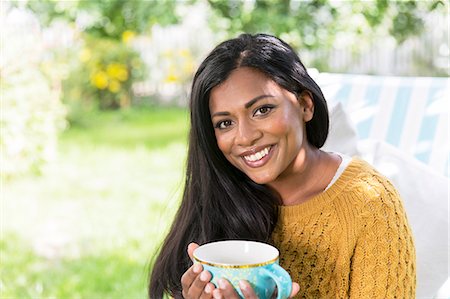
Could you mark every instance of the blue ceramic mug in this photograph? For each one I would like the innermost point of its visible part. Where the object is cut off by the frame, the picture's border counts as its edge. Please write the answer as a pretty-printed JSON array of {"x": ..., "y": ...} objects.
[{"x": 237, "y": 260}]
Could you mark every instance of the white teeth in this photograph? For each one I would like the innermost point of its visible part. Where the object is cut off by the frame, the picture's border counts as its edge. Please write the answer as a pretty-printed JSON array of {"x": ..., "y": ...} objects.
[{"x": 258, "y": 156}]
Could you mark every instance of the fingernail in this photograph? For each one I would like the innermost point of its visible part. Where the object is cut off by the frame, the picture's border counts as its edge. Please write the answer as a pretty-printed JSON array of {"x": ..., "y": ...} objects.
[
  {"x": 217, "y": 295},
  {"x": 204, "y": 276},
  {"x": 222, "y": 284},
  {"x": 197, "y": 268},
  {"x": 207, "y": 288},
  {"x": 242, "y": 285}
]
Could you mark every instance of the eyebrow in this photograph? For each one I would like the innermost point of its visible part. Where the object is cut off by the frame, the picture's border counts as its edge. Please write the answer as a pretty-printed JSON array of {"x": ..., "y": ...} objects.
[{"x": 247, "y": 105}]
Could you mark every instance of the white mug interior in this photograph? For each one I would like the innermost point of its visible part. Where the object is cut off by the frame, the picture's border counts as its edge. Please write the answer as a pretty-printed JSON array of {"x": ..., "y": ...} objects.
[{"x": 236, "y": 253}]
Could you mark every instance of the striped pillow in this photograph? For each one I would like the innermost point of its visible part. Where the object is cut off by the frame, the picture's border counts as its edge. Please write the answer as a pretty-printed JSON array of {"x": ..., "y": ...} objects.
[{"x": 410, "y": 113}]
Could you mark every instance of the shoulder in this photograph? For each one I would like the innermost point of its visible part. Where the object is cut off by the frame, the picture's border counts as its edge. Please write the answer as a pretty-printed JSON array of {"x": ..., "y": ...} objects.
[
  {"x": 368, "y": 181},
  {"x": 377, "y": 206},
  {"x": 368, "y": 189}
]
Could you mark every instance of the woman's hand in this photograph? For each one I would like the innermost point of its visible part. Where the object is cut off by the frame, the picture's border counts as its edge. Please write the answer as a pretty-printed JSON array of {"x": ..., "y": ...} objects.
[
  {"x": 194, "y": 281},
  {"x": 227, "y": 291}
]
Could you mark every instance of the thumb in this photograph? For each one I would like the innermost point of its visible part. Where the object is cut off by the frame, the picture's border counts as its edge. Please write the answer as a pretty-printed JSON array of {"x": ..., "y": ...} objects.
[
  {"x": 295, "y": 290},
  {"x": 191, "y": 248}
]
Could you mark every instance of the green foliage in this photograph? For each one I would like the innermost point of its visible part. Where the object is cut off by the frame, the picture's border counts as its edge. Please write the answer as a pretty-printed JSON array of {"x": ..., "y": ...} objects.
[
  {"x": 117, "y": 16},
  {"x": 107, "y": 64},
  {"x": 108, "y": 28},
  {"x": 406, "y": 23},
  {"x": 104, "y": 76},
  {"x": 32, "y": 114},
  {"x": 31, "y": 119},
  {"x": 317, "y": 22},
  {"x": 107, "y": 18}
]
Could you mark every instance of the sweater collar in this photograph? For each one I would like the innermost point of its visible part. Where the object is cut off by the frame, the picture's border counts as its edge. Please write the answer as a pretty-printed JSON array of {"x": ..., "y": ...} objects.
[{"x": 319, "y": 201}]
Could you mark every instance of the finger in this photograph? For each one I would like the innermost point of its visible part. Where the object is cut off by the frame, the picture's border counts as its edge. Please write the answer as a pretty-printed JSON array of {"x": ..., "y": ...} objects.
[
  {"x": 295, "y": 289},
  {"x": 247, "y": 290},
  {"x": 198, "y": 286},
  {"x": 189, "y": 277},
  {"x": 191, "y": 248},
  {"x": 226, "y": 290},
  {"x": 208, "y": 291},
  {"x": 217, "y": 294}
]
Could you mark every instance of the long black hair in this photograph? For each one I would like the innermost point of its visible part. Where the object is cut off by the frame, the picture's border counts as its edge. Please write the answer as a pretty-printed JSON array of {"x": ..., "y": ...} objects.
[{"x": 219, "y": 201}]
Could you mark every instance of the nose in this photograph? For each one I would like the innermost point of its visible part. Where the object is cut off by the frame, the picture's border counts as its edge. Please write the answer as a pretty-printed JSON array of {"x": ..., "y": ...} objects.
[{"x": 247, "y": 133}]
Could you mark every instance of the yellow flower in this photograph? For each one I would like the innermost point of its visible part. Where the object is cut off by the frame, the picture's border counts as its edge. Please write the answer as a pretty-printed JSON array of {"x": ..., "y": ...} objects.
[
  {"x": 128, "y": 36},
  {"x": 185, "y": 53},
  {"x": 188, "y": 66},
  {"x": 117, "y": 71},
  {"x": 114, "y": 86},
  {"x": 167, "y": 53},
  {"x": 85, "y": 55},
  {"x": 100, "y": 80},
  {"x": 171, "y": 78}
]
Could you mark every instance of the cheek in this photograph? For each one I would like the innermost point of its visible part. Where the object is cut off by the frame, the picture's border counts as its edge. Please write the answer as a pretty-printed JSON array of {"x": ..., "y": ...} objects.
[
  {"x": 286, "y": 124},
  {"x": 223, "y": 143},
  {"x": 278, "y": 128}
]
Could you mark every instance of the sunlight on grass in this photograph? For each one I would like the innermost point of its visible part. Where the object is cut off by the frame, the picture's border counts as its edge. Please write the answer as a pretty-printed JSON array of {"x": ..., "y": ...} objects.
[
  {"x": 130, "y": 128},
  {"x": 88, "y": 227},
  {"x": 110, "y": 274}
]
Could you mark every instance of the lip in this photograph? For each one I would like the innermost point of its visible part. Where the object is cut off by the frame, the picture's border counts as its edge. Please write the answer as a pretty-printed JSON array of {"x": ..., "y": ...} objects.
[
  {"x": 254, "y": 150},
  {"x": 260, "y": 162}
]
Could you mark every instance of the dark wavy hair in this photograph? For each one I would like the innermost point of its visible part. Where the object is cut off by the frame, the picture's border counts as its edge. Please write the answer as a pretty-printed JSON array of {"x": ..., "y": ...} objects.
[{"x": 219, "y": 201}]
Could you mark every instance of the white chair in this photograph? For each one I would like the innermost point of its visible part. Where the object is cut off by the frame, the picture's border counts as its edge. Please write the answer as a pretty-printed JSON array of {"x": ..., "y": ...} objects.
[{"x": 400, "y": 125}]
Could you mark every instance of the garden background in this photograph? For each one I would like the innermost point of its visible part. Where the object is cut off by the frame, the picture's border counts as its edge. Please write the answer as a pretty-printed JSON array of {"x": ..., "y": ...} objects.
[{"x": 94, "y": 121}]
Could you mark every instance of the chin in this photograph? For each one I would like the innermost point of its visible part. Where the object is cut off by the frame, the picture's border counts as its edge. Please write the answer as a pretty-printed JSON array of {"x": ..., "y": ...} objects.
[{"x": 262, "y": 180}]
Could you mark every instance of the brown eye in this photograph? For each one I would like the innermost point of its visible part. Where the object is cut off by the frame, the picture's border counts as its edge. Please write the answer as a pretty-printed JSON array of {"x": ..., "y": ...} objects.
[
  {"x": 223, "y": 124},
  {"x": 263, "y": 110}
]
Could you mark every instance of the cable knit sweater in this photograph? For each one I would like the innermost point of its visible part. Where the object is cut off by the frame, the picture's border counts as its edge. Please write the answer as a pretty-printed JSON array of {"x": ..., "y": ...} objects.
[{"x": 353, "y": 240}]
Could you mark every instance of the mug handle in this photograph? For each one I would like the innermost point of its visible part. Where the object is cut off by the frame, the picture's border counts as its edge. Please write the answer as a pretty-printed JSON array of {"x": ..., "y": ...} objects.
[{"x": 281, "y": 278}]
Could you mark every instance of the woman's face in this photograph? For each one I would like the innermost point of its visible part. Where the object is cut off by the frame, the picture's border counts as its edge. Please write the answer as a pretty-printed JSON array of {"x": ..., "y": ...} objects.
[{"x": 259, "y": 126}]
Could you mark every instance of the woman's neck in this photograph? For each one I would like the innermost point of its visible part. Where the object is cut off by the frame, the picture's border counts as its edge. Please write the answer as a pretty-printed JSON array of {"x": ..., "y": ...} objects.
[{"x": 308, "y": 175}]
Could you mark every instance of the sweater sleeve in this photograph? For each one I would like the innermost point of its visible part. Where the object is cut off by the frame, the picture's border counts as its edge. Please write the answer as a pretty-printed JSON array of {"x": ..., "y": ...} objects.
[{"x": 383, "y": 261}]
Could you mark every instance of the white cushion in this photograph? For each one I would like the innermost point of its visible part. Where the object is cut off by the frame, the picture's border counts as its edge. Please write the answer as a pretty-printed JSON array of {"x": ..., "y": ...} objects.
[
  {"x": 342, "y": 137},
  {"x": 425, "y": 196}
]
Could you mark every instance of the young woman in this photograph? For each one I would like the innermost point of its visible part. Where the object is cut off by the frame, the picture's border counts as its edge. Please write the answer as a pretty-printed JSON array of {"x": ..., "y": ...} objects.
[{"x": 255, "y": 171}]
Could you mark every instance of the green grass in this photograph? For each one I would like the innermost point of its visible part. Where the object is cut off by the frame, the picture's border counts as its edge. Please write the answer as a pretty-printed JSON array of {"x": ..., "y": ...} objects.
[
  {"x": 154, "y": 128},
  {"x": 104, "y": 275},
  {"x": 89, "y": 225}
]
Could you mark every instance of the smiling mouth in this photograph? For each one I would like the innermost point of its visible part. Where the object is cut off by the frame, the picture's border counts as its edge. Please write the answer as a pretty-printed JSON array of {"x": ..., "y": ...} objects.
[{"x": 257, "y": 156}]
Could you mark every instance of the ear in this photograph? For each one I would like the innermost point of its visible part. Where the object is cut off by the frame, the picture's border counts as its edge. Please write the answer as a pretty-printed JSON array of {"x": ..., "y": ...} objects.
[{"x": 307, "y": 105}]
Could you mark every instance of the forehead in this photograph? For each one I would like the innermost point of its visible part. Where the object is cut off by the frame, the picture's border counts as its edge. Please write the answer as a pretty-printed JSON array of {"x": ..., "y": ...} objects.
[{"x": 241, "y": 86}]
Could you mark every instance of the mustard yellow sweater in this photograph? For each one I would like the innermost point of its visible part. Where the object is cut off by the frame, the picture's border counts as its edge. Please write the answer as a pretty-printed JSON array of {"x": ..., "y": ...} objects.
[{"x": 353, "y": 240}]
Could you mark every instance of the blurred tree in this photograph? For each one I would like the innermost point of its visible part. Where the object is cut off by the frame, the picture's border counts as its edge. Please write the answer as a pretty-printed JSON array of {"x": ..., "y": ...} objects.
[
  {"x": 107, "y": 63},
  {"x": 314, "y": 24},
  {"x": 105, "y": 71},
  {"x": 31, "y": 112},
  {"x": 110, "y": 18}
]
